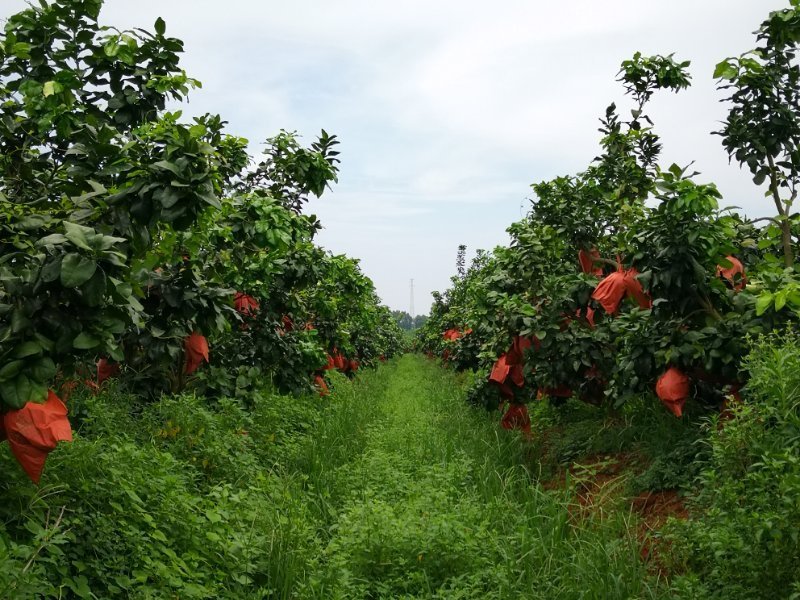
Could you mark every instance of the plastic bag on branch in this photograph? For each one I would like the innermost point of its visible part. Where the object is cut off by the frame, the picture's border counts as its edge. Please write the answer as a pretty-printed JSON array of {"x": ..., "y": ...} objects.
[
  {"x": 245, "y": 305},
  {"x": 673, "y": 388},
  {"x": 587, "y": 262},
  {"x": 611, "y": 290},
  {"x": 106, "y": 370},
  {"x": 734, "y": 274},
  {"x": 196, "y": 350},
  {"x": 517, "y": 417},
  {"x": 500, "y": 370},
  {"x": 34, "y": 431},
  {"x": 322, "y": 386}
]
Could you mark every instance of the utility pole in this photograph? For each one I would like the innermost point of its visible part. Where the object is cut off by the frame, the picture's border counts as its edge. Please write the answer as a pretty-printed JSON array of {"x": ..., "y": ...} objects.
[{"x": 412, "y": 299}]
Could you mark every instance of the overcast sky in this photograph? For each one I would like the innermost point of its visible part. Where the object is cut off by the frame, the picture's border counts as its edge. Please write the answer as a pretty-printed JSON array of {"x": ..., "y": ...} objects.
[{"x": 447, "y": 111}]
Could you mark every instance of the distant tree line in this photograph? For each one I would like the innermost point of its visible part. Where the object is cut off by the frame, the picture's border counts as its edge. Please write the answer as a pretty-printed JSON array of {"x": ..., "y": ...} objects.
[{"x": 407, "y": 322}]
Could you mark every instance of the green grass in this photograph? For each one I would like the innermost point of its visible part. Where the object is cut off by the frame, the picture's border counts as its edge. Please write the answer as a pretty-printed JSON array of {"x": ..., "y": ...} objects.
[
  {"x": 433, "y": 501},
  {"x": 391, "y": 488}
]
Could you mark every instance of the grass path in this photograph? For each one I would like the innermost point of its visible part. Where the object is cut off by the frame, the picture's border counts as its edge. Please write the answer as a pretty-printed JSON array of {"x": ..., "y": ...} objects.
[{"x": 417, "y": 496}]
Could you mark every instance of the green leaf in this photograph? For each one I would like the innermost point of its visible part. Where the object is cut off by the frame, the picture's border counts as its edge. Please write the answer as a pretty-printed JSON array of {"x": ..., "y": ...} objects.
[
  {"x": 19, "y": 391},
  {"x": 44, "y": 369},
  {"x": 11, "y": 370},
  {"x": 94, "y": 290},
  {"x": 29, "y": 348},
  {"x": 79, "y": 586},
  {"x": 111, "y": 48},
  {"x": 21, "y": 50},
  {"x": 168, "y": 166},
  {"x": 79, "y": 235},
  {"x": 762, "y": 303},
  {"x": 76, "y": 270},
  {"x": 51, "y": 270},
  {"x": 50, "y": 88},
  {"x": 52, "y": 240},
  {"x": 780, "y": 299},
  {"x": 160, "y": 26},
  {"x": 85, "y": 341},
  {"x": 726, "y": 70}
]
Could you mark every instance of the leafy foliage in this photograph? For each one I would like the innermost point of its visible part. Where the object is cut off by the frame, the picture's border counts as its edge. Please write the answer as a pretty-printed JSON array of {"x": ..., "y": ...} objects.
[
  {"x": 128, "y": 231},
  {"x": 660, "y": 245}
]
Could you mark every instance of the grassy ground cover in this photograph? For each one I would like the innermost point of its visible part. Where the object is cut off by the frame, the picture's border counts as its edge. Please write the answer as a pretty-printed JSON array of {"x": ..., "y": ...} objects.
[
  {"x": 394, "y": 488},
  {"x": 391, "y": 488}
]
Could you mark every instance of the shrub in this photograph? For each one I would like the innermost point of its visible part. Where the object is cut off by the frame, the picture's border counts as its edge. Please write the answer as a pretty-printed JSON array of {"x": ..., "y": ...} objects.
[{"x": 746, "y": 545}]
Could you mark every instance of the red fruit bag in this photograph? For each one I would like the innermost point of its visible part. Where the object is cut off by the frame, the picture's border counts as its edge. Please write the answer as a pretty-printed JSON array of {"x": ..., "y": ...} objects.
[
  {"x": 730, "y": 273},
  {"x": 561, "y": 391},
  {"x": 587, "y": 260},
  {"x": 34, "y": 431},
  {"x": 319, "y": 381},
  {"x": 196, "y": 350},
  {"x": 245, "y": 305},
  {"x": 672, "y": 388},
  {"x": 451, "y": 335},
  {"x": 339, "y": 361},
  {"x": 517, "y": 375},
  {"x": 106, "y": 370},
  {"x": 610, "y": 292},
  {"x": 517, "y": 417},
  {"x": 500, "y": 370},
  {"x": 516, "y": 354},
  {"x": 588, "y": 314},
  {"x": 634, "y": 289}
]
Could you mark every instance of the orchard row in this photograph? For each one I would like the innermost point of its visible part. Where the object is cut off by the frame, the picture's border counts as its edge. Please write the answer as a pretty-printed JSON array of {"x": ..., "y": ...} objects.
[
  {"x": 138, "y": 244},
  {"x": 627, "y": 279}
]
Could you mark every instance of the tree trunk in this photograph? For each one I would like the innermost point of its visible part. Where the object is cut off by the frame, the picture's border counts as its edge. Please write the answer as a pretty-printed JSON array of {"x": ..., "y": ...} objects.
[{"x": 786, "y": 236}]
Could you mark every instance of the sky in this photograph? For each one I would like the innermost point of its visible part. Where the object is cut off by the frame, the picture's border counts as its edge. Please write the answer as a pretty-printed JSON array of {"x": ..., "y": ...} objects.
[{"x": 448, "y": 111}]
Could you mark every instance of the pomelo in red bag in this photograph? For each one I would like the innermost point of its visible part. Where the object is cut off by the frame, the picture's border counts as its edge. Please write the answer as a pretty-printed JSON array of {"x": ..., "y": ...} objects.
[
  {"x": 516, "y": 354},
  {"x": 245, "y": 305},
  {"x": 588, "y": 264},
  {"x": 451, "y": 335},
  {"x": 34, "y": 431},
  {"x": 319, "y": 381},
  {"x": 587, "y": 314},
  {"x": 500, "y": 370},
  {"x": 106, "y": 370},
  {"x": 672, "y": 388},
  {"x": 610, "y": 292},
  {"x": 734, "y": 274},
  {"x": 517, "y": 417},
  {"x": 517, "y": 375},
  {"x": 561, "y": 391},
  {"x": 339, "y": 361},
  {"x": 634, "y": 289},
  {"x": 196, "y": 350}
]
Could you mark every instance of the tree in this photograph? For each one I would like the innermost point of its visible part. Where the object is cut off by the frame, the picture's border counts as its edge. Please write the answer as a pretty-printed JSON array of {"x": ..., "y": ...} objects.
[
  {"x": 404, "y": 320},
  {"x": 92, "y": 172},
  {"x": 762, "y": 130}
]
